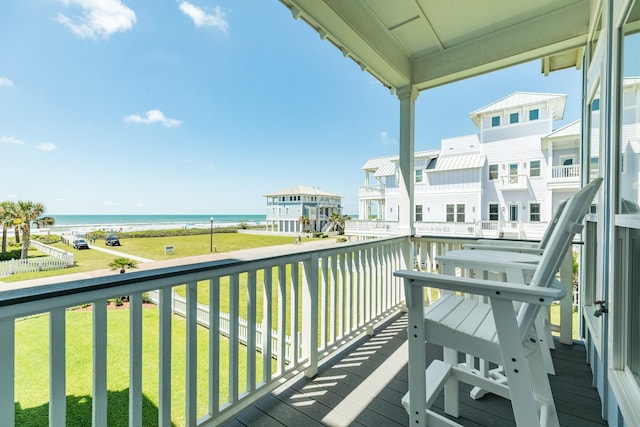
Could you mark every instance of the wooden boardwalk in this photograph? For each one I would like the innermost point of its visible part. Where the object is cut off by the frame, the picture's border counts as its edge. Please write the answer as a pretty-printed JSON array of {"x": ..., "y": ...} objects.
[{"x": 363, "y": 386}]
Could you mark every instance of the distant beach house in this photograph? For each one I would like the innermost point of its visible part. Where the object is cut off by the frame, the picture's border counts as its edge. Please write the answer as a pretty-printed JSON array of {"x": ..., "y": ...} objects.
[
  {"x": 285, "y": 207},
  {"x": 506, "y": 180}
]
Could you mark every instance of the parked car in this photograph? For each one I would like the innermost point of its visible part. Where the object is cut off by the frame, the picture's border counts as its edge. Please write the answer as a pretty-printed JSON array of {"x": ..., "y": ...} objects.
[
  {"x": 80, "y": 244},
  {"x": 112, "y": 240}
]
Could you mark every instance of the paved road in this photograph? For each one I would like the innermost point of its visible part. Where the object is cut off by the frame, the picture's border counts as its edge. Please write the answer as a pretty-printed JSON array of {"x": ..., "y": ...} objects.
[{"x": 149, "y": 264}]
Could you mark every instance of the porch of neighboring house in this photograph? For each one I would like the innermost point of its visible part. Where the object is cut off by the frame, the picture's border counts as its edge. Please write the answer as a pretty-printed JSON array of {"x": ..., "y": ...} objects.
[{"x": 364, "y": 383}]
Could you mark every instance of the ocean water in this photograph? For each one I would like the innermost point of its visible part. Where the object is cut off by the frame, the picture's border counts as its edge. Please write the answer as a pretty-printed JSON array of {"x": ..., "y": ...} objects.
[{"x": 132, "y": 222}]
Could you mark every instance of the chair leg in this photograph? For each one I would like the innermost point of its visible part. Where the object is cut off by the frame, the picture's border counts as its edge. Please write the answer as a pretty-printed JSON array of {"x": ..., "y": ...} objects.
[
  {"x": 542, "y": 388},
  {"x": 544, "y": 346},
  {"x": 451, "y": 396}
]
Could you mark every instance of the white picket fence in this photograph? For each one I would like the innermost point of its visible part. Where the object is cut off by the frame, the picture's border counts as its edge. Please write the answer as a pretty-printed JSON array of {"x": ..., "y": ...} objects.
[
  {"x": 179, "y": 307},
  {"x": 57, "y": 259}
]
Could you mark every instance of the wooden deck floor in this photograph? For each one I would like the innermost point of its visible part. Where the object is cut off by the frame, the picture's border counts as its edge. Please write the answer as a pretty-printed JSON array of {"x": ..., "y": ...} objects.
[{"x": 363, "y": 386}]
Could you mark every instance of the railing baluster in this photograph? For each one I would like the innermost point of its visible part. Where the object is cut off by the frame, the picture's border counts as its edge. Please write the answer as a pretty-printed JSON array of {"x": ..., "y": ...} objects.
[
  {"x": 334, "y": 313},
  {"x": 252, "y": 307},
  {"x": 267, "y": 320},
  {"x": 341, "y": 297},
  {"x": 135, "y": 359},
  {"x": 295, "y": 315},
  {"x": 234, "y": 317},
  {"x": 214, "y": 346},
  {"x": 57, "y": 368},
  {"x": 7, "y": 370},
  {"x": 310, "y": 314},
  {"x": 347, "y": 273},
  {"x": 324, "y": 303},
  {"x": 191, "y": 358},
  {"x": 164, "y": 352},
  {"x": 99, "y": 400},
  {"x": 282, "y": 318}
]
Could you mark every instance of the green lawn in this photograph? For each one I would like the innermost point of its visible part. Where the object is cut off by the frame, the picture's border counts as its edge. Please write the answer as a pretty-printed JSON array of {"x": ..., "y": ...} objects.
[
  {"x": 32, "y": 374},
  {"x": 153, "y": 248}
]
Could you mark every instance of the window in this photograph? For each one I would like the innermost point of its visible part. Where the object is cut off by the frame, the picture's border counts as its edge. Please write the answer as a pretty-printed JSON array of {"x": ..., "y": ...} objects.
[
  {"x": 493, "y": 172},
  {"x": 534, "y": 114},
  {"x": 451, "y": 215},
  {"x": 566, "y": 160},
  {"x": 534, "y": 168},
  {"x": 460, "y": 213},
  {"x": 513, "y": 173},
  {"x": 419, "y": 175},
  {"x": 418, "y": 213},
  {"x": 432, "y": 163},
  {"x": 495, "y": 121},
  {"x": 595, "y": 104},
  {"x": 534, "y": 212},
  {"x": 493, "y": 212},
  {"x": 514, "y": 118}
]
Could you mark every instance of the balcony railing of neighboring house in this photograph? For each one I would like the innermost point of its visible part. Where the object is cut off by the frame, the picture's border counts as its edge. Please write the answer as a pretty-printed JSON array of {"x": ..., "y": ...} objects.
[
  {"x": 328, "y": 295},
  {"x": 371, "y": 191},
  {"x": 373, "y": 227},
  {"x": 513, "y": 182},
  {"x": 565, "y": 172}
]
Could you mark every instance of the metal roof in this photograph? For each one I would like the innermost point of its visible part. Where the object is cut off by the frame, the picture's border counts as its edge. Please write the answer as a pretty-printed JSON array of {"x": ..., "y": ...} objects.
[
  {"x": 379, "y": 162},
  {"x": 387, "y": 169},
  {"x": 459, "y": 161},
  {"x": 301, "y": 190}
]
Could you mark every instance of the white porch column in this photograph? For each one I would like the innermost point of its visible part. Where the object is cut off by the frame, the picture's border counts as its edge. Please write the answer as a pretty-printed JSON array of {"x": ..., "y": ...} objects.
[{"x": 407, "y": 96}]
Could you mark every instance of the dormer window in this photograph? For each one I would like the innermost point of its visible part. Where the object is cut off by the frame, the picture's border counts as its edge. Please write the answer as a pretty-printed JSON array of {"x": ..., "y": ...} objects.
[
  {"x": 534, "y": 114},
  {"x": 514, "y": 118},
  {"x": 495, "y": 121}
]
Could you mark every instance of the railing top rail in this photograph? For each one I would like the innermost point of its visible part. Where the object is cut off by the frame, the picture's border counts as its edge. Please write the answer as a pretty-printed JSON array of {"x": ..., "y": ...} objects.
[{"x": 77, "y": 292}]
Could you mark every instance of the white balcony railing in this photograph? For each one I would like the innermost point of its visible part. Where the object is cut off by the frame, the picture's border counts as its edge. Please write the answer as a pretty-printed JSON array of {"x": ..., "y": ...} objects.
[
  {"x": 371, "y": 191},
  {"x": 513, "y": 182},
  {"x": 327, "y": 295},
  {"x": 565, "y": 172}
]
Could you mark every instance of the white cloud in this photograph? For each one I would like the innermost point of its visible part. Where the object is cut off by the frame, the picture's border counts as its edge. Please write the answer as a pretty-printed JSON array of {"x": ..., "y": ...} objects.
[
  {"x": 46, "y": 146},
  {"x": 386, "y": 139},
  {"x": 6, "y": 82},
  {"x": 202, "y": 19},
  {"x": 153, "y": 116},
  {"x": 99, "y": 18},
  {"x": 11, "y": 140}
]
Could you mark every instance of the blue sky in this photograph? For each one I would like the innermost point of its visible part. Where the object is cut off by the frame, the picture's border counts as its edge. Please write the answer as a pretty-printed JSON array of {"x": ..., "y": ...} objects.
[{"x": 166, "y": 107}]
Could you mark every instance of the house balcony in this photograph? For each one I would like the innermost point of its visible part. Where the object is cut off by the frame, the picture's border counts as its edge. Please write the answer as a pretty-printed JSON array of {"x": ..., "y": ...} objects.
[
  {"x": 370, "y": 192},
  {"x": 235, "y": 339},
  {"x": 564, "y": 178},
  {"x": 513, "y": 182}
]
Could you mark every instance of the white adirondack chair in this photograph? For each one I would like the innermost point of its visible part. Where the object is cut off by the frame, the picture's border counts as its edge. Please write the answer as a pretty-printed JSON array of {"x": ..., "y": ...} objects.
[{"x": 491, "y": 330}]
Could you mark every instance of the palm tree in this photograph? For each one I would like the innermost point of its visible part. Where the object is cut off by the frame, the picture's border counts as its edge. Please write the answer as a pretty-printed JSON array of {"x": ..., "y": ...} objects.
[
  {"x": 304, "y": 222},
  {"x": 25, "y": 214},
  {"x": 6, "y": 219},
  {"x": 338, "y": 221},
  {"x": 123, "y": 264},
  {"x": 45, "y": 221}
]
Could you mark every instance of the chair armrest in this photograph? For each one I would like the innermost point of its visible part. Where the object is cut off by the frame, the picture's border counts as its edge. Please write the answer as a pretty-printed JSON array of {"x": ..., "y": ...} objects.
[
  {"x": 508, "y": 248},
  {"x": 512, "y": 243},
  {"x": 484, "y": 260},
  {"x": 489, "y": 288}
]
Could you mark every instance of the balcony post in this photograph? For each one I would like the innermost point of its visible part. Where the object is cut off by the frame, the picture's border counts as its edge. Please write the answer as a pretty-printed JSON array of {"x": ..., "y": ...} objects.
[
  {"x": 310, "y": 315},
  {"x": 407, "y": 96}
]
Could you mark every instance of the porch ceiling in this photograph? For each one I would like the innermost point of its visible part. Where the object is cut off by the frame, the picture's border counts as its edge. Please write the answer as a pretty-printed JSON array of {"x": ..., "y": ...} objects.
[{"x": 432, "y": 42}]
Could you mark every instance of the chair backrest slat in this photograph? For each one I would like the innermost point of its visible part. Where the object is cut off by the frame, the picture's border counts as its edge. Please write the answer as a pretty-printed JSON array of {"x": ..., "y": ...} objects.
[{"x": 569, "y": 223}]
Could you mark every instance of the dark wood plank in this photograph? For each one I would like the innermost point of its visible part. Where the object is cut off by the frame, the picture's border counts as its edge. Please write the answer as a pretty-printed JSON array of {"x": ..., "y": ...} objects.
[{"x": 311, "y": 402}]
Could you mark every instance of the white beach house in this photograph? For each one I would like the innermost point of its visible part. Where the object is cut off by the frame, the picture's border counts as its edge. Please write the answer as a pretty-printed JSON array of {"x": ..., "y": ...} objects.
[
  {"x": 285, "y": 207},
  {"x": 504, "y": 181}
]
